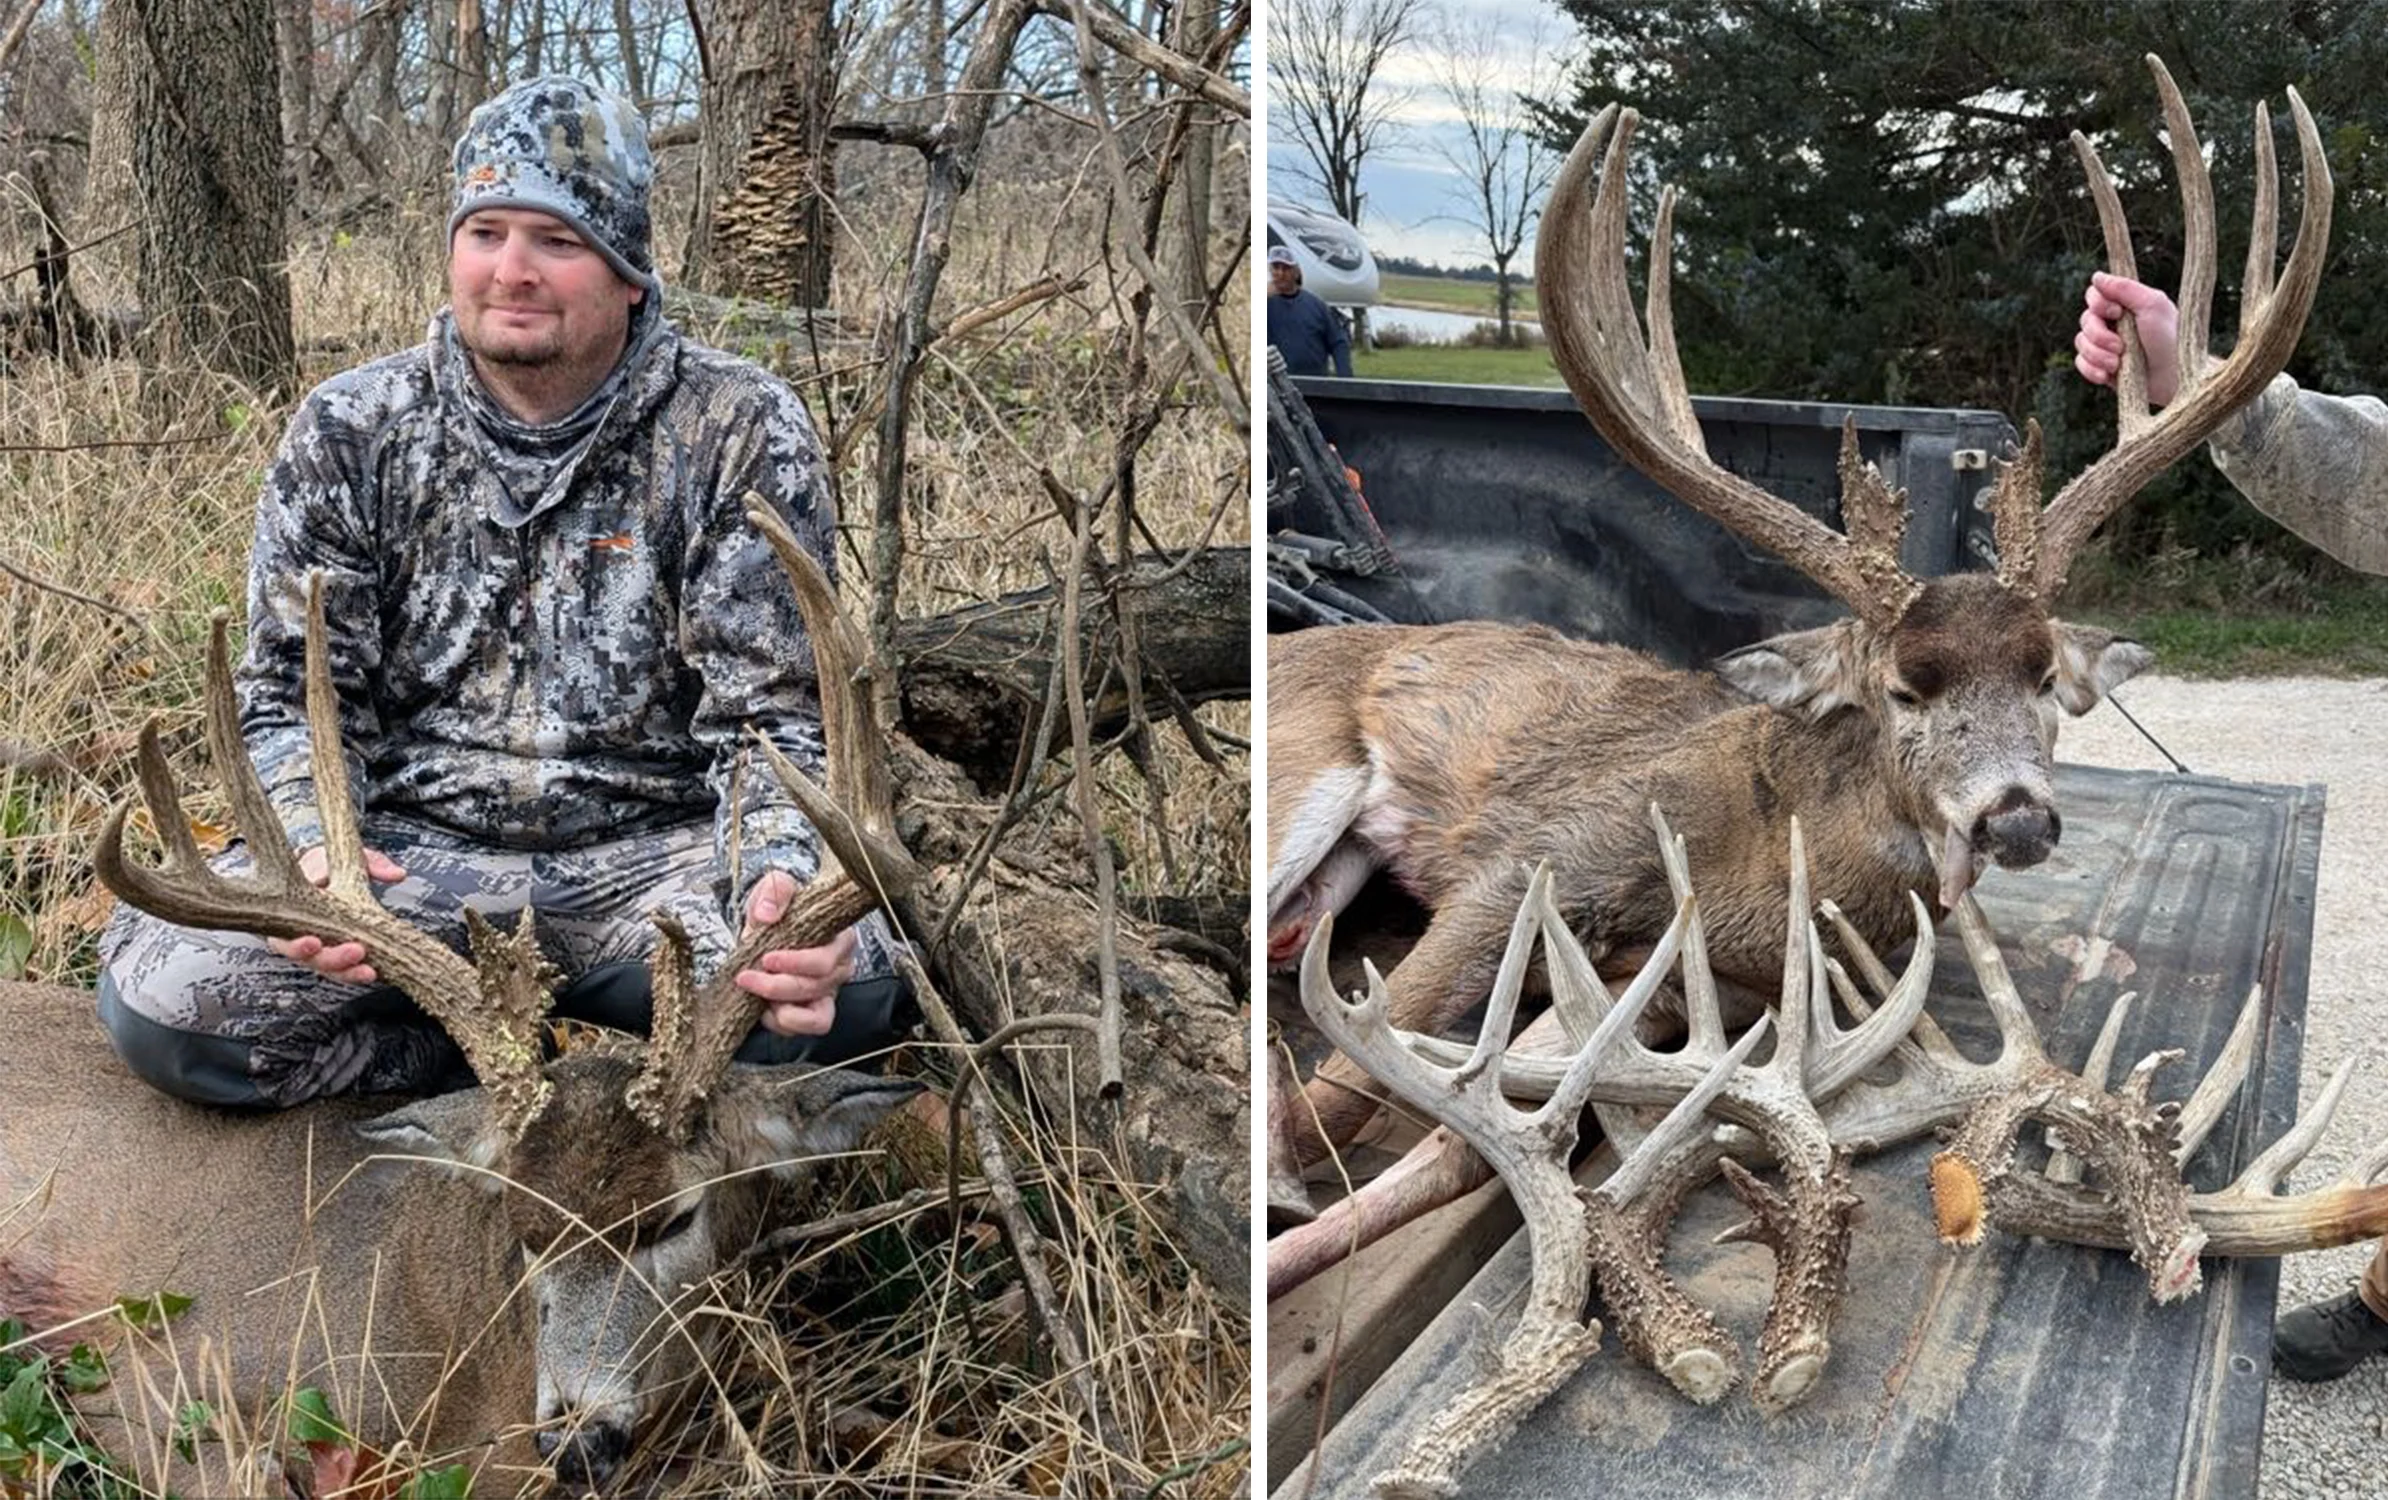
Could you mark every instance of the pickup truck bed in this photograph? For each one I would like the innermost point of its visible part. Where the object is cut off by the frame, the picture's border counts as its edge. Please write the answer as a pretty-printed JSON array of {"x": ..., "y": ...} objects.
[{"x": 2017, "y": 1370}]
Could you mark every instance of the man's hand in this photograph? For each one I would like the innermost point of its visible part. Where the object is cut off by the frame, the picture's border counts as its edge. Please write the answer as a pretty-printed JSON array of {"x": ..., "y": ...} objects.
[
  {"x": 342, "y": 961},
  {"x": 2098, "y": 347},
  {"x": 799, "y": 985}
]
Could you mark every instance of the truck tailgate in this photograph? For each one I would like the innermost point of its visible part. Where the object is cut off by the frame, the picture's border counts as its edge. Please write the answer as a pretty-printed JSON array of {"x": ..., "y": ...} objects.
[{"x": 2017, "y": 1369}]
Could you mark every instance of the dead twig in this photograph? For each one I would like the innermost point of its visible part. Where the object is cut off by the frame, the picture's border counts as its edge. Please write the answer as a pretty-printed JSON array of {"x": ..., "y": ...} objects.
[
  {"x": 1114, "y": 31},
  {"x": 35, "y": 580},
  {"x": 857, "y": 1220},
  {"x": 951, "y": 169},
  {"x": 1232, "y": 404}
]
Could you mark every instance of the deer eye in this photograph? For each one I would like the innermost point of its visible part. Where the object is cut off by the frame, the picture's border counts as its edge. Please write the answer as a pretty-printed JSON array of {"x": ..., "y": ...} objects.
[
  {"x": 1904, "y": 698},
  {"x": 679, "y": 1224},
  {"x": 2048, "y": 683}
]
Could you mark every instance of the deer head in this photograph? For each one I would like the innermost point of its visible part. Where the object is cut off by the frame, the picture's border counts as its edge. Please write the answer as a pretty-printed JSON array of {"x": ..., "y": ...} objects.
[
  {"x": 1965, "y": 675},
  {"x": 628, "y": 1172}
]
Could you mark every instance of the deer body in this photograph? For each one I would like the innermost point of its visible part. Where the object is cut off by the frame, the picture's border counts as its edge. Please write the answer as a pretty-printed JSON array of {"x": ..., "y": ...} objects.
[{"x": 495, "y": 1304}]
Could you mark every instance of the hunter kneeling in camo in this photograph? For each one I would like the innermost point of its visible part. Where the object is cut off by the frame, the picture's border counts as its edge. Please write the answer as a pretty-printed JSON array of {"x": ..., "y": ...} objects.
[{"x": 549, "y": 626}]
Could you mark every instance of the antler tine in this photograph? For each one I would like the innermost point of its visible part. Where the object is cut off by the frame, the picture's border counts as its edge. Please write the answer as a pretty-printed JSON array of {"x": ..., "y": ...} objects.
[
  {"x": 2210, "y": 391},
  {"x": 2195, "y": 305},
  {"x": 335, "y": 804},
  {"x": 865, "y": 865},
  {"x": 1841, "y": 1056},
  {"x": 2263, "y": 1174},
  {"x": 1701, "y": 1011},
  {"x": 2018, "y": 1037},
  {"x": 2063, "y": 1165},
  {"x": 2263, "y": 236},
  {"x": 1925, "y": 1034},
  {"x": 1633, "y": 390},
  {"x": 2221, "y": 1083}
]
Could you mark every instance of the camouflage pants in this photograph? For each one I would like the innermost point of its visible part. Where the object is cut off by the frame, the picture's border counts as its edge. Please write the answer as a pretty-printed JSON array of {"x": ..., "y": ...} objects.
[{"x": 222, "y": 1018}]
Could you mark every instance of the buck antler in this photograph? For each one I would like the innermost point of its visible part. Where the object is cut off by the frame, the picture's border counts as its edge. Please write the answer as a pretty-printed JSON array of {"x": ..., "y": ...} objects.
[
  {"x": 1654, "y": 1320},
  {"x": 1938, "y": 1086},
  {"x": 1633, "y": 389},
  {"x": 696, "y": 1029},
  {"x": 496, "y": 1024},
  {"x": 1530, "y": 1151},
  {"x": 1634, "y": 392},
  {"x": 2271, "y": 319}
]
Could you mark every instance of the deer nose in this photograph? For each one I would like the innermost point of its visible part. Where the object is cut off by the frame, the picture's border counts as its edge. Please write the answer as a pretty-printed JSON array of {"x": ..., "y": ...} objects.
[
  {"x": 2019, "y": 831},
  {"x": 585, "y": 1456}
]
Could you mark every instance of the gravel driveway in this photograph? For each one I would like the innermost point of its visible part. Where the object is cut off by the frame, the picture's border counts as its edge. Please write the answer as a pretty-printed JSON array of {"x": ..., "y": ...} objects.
[{"x": 2326, "y": 1440}]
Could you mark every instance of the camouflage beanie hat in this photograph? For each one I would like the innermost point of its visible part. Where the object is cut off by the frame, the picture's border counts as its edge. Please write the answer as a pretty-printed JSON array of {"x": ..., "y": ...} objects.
[{"x": 561, "y": 147}]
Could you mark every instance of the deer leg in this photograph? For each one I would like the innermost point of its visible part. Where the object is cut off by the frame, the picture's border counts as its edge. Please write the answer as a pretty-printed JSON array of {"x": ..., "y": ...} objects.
[
  {"x": 1449, "y": 970},
  {"x": 1326, "y": 891}
]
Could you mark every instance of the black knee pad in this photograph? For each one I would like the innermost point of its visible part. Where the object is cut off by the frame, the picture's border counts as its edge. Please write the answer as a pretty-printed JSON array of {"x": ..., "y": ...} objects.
[{"x": 189, "y": 1065}]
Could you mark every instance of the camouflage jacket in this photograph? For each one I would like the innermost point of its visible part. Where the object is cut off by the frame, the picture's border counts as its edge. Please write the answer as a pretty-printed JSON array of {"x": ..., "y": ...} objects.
[
  {"x": 2316, "y": 464},
  {"x": 544, "y": 636}
]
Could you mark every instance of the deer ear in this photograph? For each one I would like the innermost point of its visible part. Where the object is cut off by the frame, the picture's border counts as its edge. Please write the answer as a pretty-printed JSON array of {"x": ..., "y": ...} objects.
[
  {"x": 2090, "y": 663},
  {"x": 453, "y": 1128},
  {"x": 800, "y": 1111},
  {"x": 1806, "y": 671}
]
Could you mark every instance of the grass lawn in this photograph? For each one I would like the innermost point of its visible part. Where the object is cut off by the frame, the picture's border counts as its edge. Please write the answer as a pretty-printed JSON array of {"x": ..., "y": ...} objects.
[
  {"x": 1450, "y": 364},
  {"x": 2341, "y": 633},
  {"x": 1452, "y": 295}
]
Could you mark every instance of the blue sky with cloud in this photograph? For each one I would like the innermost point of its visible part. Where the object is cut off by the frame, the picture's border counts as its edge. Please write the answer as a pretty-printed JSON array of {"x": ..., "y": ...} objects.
[{"x": 1412, "y": 204}]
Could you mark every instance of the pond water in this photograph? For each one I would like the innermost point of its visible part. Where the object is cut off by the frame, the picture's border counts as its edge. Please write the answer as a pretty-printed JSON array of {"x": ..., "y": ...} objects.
[{"x": 1430, "y": 325}]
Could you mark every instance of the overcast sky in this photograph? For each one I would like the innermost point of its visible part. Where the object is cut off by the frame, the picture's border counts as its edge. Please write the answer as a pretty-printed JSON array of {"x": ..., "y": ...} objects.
[{"x": 1411, "y": 192}]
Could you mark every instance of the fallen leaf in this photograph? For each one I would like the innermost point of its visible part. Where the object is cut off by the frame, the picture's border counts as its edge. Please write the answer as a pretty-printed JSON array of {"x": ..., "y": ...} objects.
[{"x": 88, "y": 912}]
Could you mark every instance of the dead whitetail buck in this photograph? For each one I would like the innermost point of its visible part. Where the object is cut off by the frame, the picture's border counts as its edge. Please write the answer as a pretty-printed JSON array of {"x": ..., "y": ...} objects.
[
  {"x": 1821, "y": 1099},
  {"x": 543, "y": 1286},
  {"x": 1913, "y": 739}
]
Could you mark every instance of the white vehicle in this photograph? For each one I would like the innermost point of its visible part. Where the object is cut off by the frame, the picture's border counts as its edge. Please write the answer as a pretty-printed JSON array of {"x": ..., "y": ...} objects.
[{"x": 1334, "y": 259}]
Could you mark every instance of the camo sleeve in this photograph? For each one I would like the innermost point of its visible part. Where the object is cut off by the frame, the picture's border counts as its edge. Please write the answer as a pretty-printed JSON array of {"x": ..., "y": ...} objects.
[
  {"x": 310, "y": 518},
  {"x": 744, "y": 639},
  {"x": 2317, "y": 464}
]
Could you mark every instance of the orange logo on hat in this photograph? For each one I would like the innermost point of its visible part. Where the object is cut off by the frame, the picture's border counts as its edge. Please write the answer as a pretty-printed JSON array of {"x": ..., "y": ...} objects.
[
  {"x": 623, "y": 542},
  {"x": 482, "y": 173}
]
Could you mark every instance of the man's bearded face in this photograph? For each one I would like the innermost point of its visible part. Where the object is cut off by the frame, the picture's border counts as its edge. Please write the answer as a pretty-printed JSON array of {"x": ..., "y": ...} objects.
[{"x": 528, "y": 290}]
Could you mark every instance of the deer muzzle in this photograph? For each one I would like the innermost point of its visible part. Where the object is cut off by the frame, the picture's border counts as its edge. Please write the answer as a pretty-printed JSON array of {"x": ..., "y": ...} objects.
[
  {"x": 2020, "y": 831},
  {"x": 586, "y": 1455}
]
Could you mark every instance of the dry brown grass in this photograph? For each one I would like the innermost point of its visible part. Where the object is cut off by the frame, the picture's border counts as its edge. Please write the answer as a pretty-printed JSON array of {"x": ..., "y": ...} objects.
[{"x": 892, "y": 1363}]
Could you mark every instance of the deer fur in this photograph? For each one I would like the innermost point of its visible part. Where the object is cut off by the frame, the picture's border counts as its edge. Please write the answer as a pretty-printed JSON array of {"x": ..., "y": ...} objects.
[
  {"x": 508, "y": 1305},
  {"x": 1460, "y": 756}
]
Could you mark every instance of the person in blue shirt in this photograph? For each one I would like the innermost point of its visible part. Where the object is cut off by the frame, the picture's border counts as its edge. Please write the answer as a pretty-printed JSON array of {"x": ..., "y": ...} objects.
[{"x": 1301, "y": 326}]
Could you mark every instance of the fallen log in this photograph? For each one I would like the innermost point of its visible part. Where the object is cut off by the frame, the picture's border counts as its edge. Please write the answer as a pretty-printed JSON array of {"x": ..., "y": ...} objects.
[{"x": 974, "y": 680}]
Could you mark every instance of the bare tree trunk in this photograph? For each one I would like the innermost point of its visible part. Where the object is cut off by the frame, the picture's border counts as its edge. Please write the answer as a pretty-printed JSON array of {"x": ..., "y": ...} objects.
[
  {"x": 440, "y": 36},
  {"x": 105, "y": 271},
  {"x": 762, "y": 226},
  {"x": 203, "y": 99},
  {"x": 933, "y": 44},
  {"x": 472, "y": 63},
  {"x": 294, "y": 35},
  {"x": 634, "y": 72}
]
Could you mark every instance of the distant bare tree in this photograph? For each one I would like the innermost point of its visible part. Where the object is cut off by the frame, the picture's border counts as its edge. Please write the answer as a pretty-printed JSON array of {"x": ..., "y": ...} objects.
[
  {"x": 1503, "y": 165},
  {"x": 1324, "y": 57}
]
